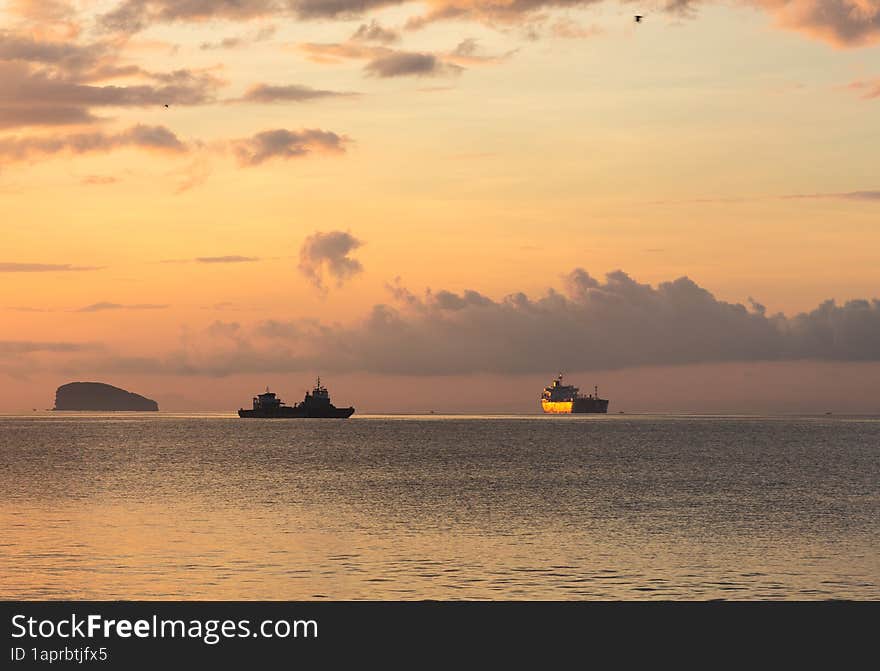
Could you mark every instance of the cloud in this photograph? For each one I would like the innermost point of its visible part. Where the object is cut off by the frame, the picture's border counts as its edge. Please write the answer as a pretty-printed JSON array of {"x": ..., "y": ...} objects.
[
  {"x": 869, "y": 195},
  {"x": 134, "y": 15},
  {"x": 868, "y": 89},
  {"x": 17, "y": 117},
  {"x": 845, "y": 23},
  {"x": 336, "y": 52},
  {"x": 227, "y": 259},
  {"x": 104, "y": 306},
  {"x": 220, "y": 329},
  {"x": 406, "y": 64},
  {"x": 272, "y": 328},
  {"x": 63, "y": 95},
  {"x": 594, "y": 325},
  {"x": 63, "y": 54},
  {"x": 469, "y": 52},
  {"x": 266, "y": 93},
  {"x": 56, "y": 17},
  {"x": 385, "y": 63},
  {"x": 155, "y": 138},
  {"x": 374, "y": 32},
  {"x": 329, "y": 254},
  {"x": 7, "y": 267},
  {"x": 286, "y": 144},
  {"x": 323, "y": 9},
  {"x": 30, "y": 347},
  {"x": 231, "y": 258},
  {"x": 98, "y": 180},
  {"x": 568, "y": 29},
  {"x": 260, "y": 35}
]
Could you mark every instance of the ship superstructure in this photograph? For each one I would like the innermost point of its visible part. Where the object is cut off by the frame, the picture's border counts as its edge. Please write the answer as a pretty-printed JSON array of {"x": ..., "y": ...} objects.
[{"x": 565, "y": 399}]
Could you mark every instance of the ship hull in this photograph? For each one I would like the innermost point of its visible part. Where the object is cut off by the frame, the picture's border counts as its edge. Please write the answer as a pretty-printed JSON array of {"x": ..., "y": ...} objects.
[
  {"x": 576, "y": 406},
  {"x": 286, "y": 412}
]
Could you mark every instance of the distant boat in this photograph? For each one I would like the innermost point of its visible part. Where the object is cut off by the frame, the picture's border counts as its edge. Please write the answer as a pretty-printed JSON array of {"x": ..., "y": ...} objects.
[
  {"x": 564, "y": 399},
  {"x": 317, "y": 405}
]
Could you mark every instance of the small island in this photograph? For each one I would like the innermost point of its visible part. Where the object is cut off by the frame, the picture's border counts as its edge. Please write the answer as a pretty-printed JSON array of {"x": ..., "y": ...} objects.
[{"x": 100, "y": 396}]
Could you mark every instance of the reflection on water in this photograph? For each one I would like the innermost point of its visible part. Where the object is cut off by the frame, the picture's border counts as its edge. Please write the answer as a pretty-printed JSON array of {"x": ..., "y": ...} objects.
[{"x": 200, "y": 507}]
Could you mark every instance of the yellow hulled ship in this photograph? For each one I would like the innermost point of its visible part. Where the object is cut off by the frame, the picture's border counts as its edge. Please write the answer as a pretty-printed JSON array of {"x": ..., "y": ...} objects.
[{"x": 565, "y": 399}]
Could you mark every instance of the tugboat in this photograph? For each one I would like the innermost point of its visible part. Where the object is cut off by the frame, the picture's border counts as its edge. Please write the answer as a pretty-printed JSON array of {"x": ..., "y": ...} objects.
[
  {"x": 316, "y": 404},
  {"x": 564, "y": 399}
]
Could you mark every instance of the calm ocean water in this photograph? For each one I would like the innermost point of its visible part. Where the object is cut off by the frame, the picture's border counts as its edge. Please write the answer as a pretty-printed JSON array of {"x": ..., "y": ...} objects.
[{"x": 629, "y": 507}]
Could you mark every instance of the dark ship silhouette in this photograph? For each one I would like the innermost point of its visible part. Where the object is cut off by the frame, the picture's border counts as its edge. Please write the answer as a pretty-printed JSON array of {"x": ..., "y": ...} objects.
[
  {"x": 564, "y": 399},
  {"x": 316, "y": 404}
]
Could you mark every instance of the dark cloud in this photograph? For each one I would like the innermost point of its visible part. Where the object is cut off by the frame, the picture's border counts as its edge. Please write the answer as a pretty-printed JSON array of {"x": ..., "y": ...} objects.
[
  {"x": 227, "y": 259},
  {"x": 266, "y": 93},
  {"x": 839, "y": 22},
  {"x": 19, "y": 117},
  {"x": 608, "y": 324},
  {"x": 68, "y": 55},
  {"x": 134, "y": 15},
  {"x": 157, "y": 138},
  {"x": 329, "y": 254},
  {"x": 317, "y": 9},
  {"x": 374, "y": 32},
  {"x": 104, "y": 306},
  {"x": 39, "y": 97},
  {"x": 6, "y": 267},
  {"x": 286, "y": 144},
  {"x": 410, "y": 64}
]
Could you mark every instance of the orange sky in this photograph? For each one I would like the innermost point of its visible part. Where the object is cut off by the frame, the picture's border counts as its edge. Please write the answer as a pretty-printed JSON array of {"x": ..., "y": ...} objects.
[{"x": 311, "y": 166}]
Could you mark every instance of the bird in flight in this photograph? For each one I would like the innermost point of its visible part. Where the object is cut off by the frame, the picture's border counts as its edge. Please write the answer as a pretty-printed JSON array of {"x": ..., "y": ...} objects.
[
  {"x": 166, "y": 105},
  {"x": 637, "y": 17}
]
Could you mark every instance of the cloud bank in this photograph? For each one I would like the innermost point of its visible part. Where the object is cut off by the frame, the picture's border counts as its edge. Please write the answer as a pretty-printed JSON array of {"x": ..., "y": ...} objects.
[
  {"x": 591, "y": 324},
  {"x": 843, "y": 23}
]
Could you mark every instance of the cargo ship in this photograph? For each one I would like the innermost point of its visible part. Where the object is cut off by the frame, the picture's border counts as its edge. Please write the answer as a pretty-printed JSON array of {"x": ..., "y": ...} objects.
[
  {"x": 315, "y": 404},
  {"x": 564, "y": 399}
]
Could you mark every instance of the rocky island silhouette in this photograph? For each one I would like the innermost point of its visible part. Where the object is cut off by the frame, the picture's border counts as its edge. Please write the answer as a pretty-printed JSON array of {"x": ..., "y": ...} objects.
[{"x": 100, "y": 396}]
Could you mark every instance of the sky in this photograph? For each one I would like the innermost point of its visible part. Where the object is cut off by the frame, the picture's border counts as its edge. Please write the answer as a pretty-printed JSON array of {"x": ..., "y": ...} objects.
[{"x": 440, "y": 205}]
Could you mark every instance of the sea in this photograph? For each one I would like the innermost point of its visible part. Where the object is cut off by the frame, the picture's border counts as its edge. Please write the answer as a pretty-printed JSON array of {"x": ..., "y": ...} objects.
[{"x": 632, "y": 507}]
